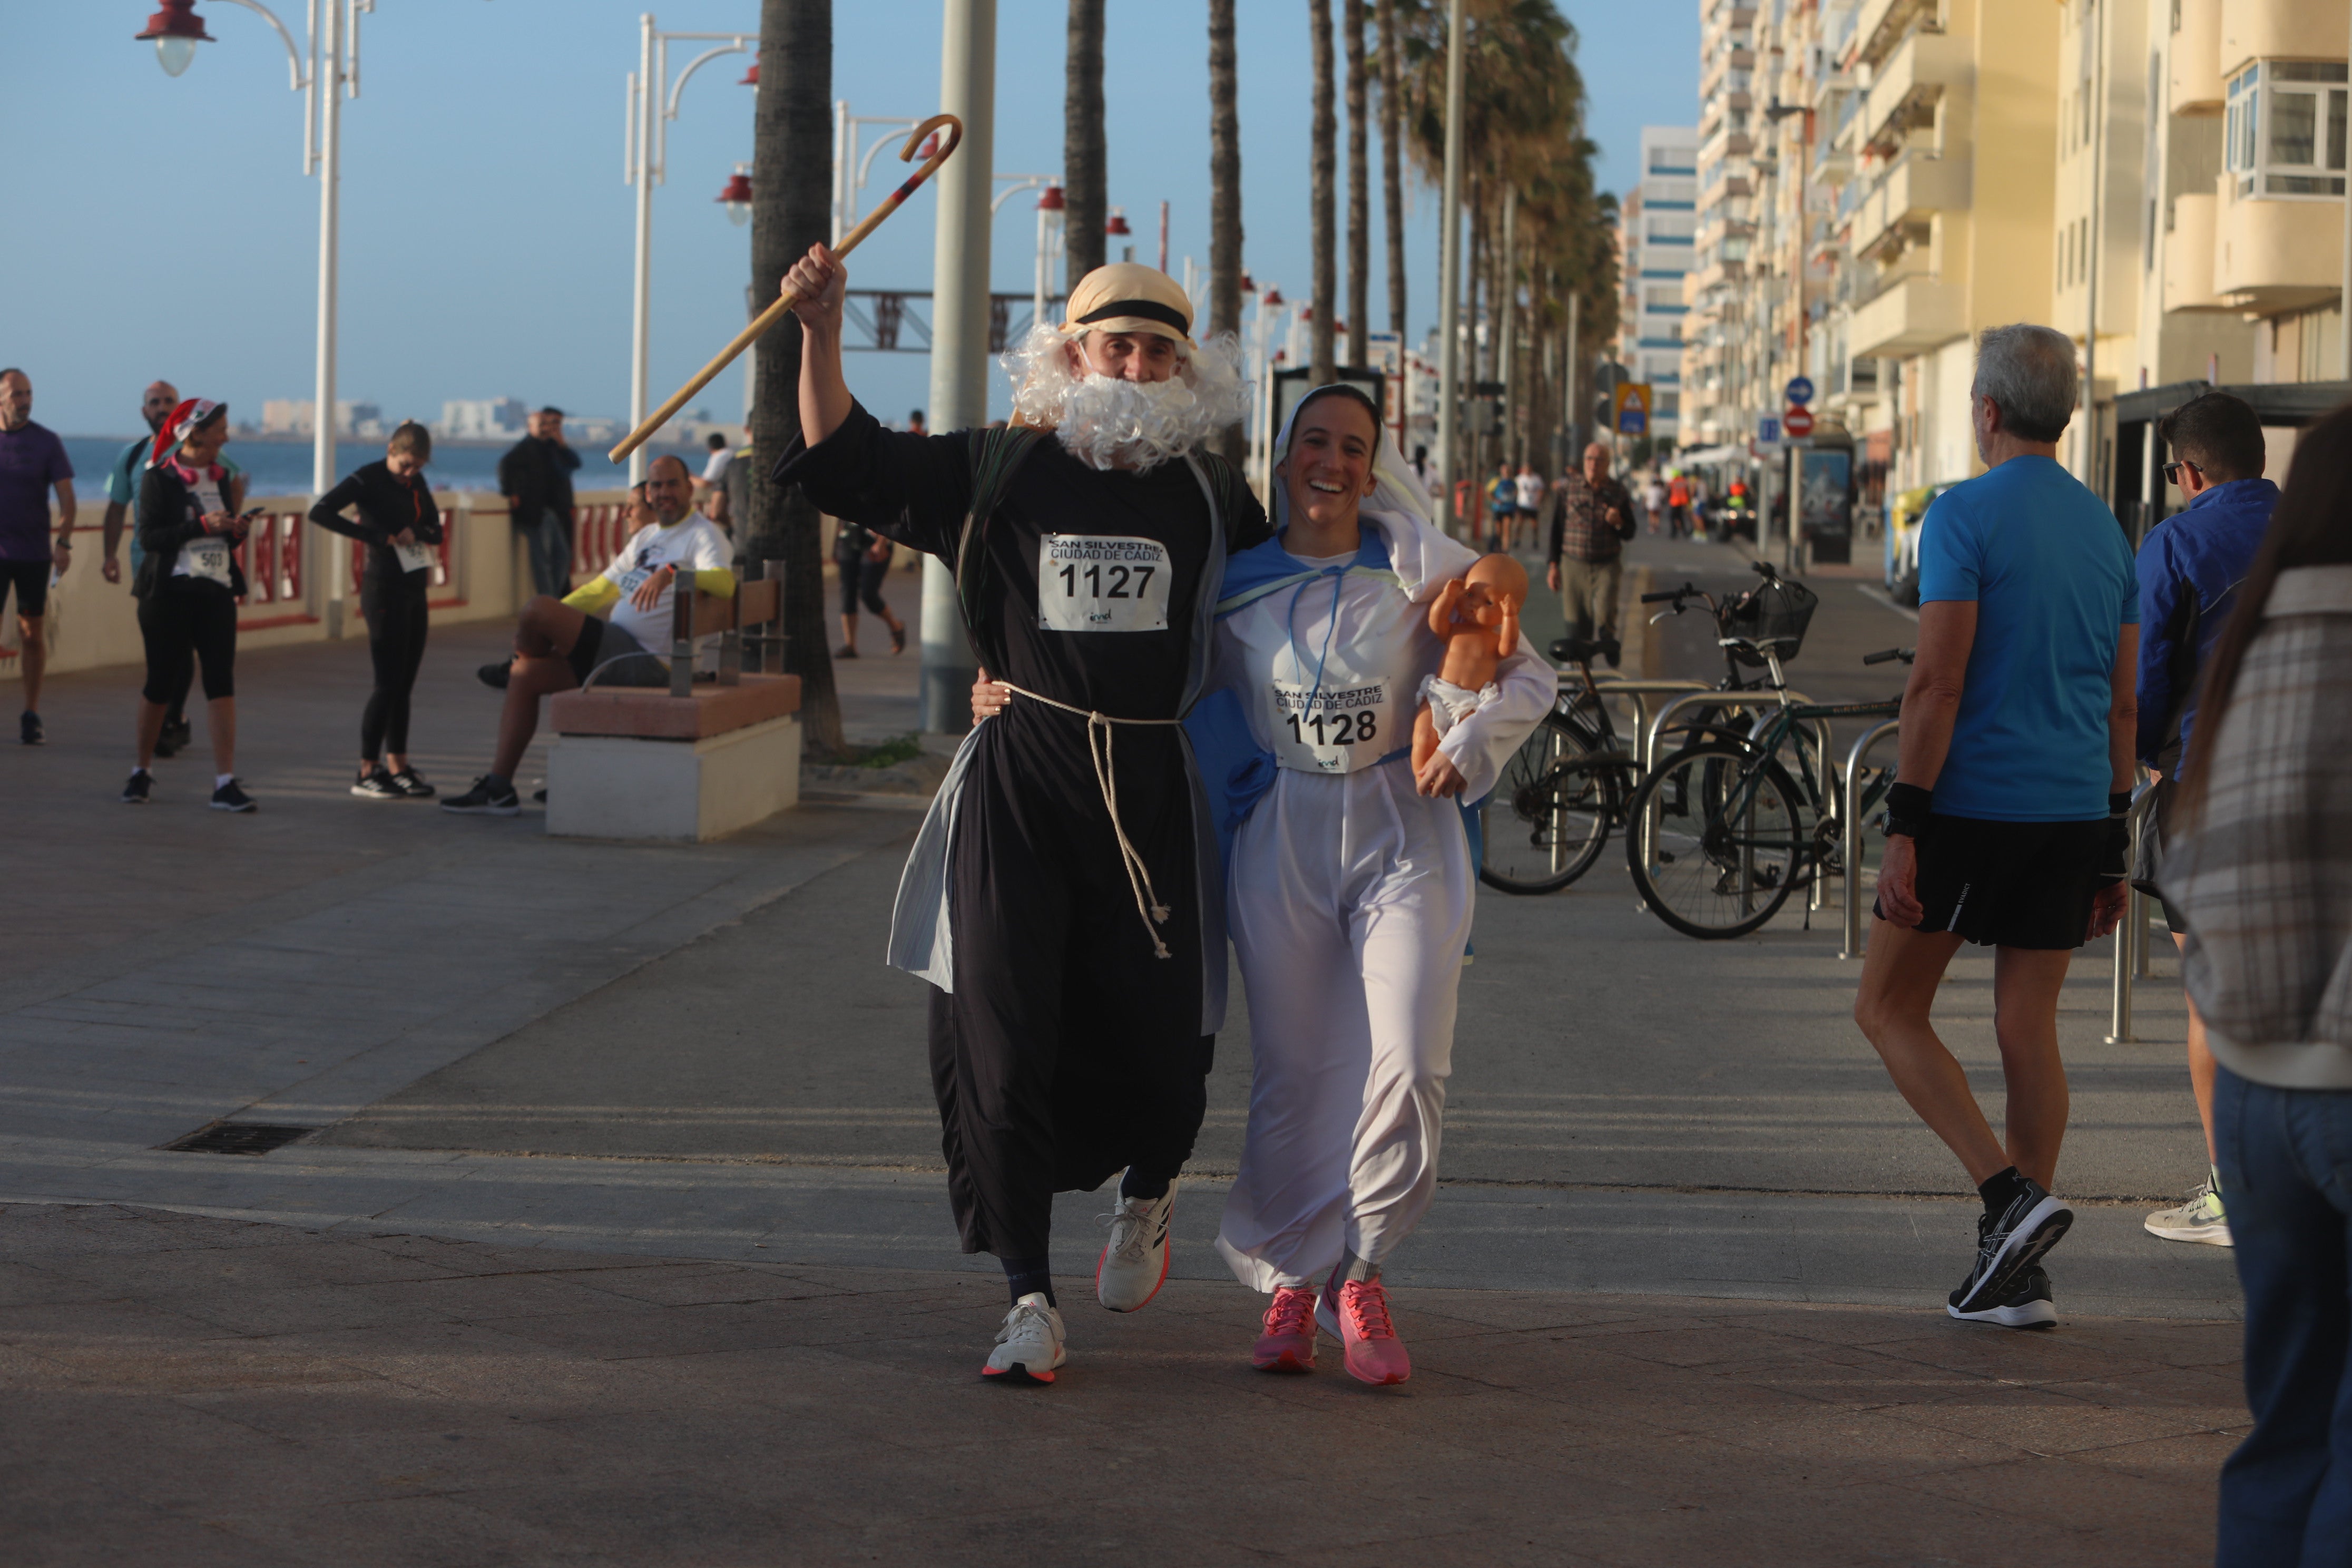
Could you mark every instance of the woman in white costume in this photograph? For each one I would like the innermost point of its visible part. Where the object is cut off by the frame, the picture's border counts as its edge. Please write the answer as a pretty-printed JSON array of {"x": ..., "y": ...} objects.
[{"x": 1351, "y": 880}]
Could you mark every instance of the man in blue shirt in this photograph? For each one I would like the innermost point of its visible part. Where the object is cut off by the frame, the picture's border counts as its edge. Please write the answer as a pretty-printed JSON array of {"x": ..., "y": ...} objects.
[
  {"x": 33, "y": 462},
  {"x": 2189, "y": 569},
  {"x": 2006, "y": 827}
]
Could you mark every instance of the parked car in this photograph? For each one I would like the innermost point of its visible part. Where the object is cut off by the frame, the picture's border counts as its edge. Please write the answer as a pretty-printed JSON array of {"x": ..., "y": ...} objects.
[{"x": 1903, "y": 515}]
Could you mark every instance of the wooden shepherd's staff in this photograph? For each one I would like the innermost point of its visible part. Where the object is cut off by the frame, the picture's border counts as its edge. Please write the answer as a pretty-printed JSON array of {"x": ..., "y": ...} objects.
[{"x": 951, "y": 136}]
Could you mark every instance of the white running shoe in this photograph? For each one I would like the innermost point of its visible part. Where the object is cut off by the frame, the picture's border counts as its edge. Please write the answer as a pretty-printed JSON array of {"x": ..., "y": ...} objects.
[
  {"x": 2201, "y": 1218},
  {"x": 1029, "y": 1346},
  {"x": 1134, "y": 1262}
]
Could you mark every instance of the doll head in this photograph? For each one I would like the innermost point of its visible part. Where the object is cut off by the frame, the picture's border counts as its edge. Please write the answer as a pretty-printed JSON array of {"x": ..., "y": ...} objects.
[{"x": 1492, "y": 583}]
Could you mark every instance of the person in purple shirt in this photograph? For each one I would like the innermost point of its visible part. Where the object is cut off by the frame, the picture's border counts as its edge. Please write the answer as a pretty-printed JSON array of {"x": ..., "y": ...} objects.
[
  {"x": 2189, "y": 569},
  {"x": 32, "y": 462}
]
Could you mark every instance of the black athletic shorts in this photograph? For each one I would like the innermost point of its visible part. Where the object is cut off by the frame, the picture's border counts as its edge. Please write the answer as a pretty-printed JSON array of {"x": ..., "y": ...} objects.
[
  {"x": 30, "y": 579},
  {"x": 624, "y": 658},
  {"x": 2010, "y": 884}
]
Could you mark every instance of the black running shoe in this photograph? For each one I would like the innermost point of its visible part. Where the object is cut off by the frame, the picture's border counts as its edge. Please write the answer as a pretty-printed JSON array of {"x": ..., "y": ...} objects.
[
  {"x": 844, "y": 651},
  {"x": 28, "y": 729},
  {"x": 176, "y": 739},
  {"x": 135, "y": 792},
  {"x": 377, "y": 785},
  {"x": 489, "y": 798},
  {"x": 412, "y": 784},
  {"x": 494, "y": 676},
  {"x": 2026, "y": 1304},
  {"x": 538, "y": 796},
  {"x": 229, "y": 797},
  {"x": 2008, "y": 1244}
]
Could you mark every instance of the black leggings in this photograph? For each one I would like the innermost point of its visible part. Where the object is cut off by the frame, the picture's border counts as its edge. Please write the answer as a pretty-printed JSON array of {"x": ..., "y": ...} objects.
[
  {"x": 181, "y": 623},
  {"x": 862, "y": 579},
  {"x": 396, "y": 618}
]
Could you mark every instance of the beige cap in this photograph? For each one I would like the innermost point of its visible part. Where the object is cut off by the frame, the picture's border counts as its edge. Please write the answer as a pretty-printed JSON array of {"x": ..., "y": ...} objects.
[{"x": 1128, "y": 297}]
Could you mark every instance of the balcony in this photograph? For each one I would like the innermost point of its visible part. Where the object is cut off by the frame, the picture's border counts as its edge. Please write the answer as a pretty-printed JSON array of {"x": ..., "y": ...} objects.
[
  {"x": 1881, "y": 24},
  {"x": 1904, "y": 92},
  {"x": 1896, "y": 213},
  {"x": 1914, "y": 315},
  {"x": 2270, "y": 257},
  {"x": 2189, "y": 255},
  {"x": 2197, "y": 81},
  {"x": 2265, "y": 29}
]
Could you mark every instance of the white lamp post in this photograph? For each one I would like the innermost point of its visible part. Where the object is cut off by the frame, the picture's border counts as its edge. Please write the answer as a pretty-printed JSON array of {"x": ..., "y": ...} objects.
[
  {"x": 652, "y": 104},
  {"x": 332, "y": 60},
  {"x": 1050, "y": 207}
]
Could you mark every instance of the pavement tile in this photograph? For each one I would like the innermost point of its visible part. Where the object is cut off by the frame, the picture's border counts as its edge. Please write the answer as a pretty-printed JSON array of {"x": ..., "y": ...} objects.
[
  {"x": 2048, "y": 1423},
  {"x": 423, "y": 1531},
  {"x": 463, "y": 1297},
  {"x": 696, "y": 1285},
  {"x": 2162, "y": 1512},
  {"x": 199, "y": 1272}
]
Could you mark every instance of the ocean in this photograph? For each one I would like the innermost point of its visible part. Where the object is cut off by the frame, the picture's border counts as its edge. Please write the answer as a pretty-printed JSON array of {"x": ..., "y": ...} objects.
[{"x": 283, "y": 467}]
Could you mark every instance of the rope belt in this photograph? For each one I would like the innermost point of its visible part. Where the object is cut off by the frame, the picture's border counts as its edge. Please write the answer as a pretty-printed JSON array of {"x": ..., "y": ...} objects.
[{"x": 1139, "y": 876}]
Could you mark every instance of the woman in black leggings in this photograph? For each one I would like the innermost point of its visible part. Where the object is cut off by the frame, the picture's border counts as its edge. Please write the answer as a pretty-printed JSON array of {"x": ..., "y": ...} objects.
[{"x": 401, "y": 526}]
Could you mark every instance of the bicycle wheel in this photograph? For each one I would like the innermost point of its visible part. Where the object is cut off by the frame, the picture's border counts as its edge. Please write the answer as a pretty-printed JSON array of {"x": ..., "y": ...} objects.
[
  {"x": 1548, "y": 831},
  {"x": 1510, "y": 863},
  {"x": 1716, "y": 838}
]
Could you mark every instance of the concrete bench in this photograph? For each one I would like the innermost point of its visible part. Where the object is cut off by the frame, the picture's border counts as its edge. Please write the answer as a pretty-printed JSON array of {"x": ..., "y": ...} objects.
[{"x": 698, "y": 760}]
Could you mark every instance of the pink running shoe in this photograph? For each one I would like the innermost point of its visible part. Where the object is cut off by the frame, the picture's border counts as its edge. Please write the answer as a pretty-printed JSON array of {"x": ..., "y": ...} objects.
[
  {"x": 1356, "y": 1314},
  {"x": 1288, "y": 1342}
]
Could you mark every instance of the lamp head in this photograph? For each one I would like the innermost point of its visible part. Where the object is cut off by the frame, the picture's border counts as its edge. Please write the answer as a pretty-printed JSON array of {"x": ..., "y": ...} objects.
[{"x": 176, "y": 30}]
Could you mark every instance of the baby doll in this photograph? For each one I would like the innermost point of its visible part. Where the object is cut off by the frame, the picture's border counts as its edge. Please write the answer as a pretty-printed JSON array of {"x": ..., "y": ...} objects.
[{"x": 1478, "y": 616}]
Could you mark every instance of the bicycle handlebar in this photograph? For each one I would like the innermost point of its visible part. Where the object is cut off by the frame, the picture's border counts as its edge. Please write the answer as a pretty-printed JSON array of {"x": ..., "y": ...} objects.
[{"x": 1888, "y": 655}]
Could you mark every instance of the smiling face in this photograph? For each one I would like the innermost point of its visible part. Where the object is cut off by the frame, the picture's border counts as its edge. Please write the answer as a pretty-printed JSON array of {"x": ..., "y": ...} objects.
[{"x": 1326, "y": 470}]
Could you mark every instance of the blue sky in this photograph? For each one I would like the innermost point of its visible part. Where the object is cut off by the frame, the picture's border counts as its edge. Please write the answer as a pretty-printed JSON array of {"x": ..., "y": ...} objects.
[{"x": 165, "y": 227}]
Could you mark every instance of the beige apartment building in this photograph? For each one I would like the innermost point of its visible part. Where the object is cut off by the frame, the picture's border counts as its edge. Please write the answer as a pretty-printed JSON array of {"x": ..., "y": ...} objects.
[{"x": 2164, "y": 180}]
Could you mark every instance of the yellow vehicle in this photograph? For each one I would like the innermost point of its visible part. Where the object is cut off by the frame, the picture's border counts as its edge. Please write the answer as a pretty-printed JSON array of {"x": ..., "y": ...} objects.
[{"x": 1903, "y": 516}]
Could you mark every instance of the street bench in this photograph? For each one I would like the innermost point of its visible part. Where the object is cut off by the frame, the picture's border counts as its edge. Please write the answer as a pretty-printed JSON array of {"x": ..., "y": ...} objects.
[{"x": 697, "y": 761}]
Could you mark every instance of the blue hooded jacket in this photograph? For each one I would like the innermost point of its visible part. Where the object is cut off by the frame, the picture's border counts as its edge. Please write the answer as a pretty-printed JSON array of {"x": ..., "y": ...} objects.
[{"x": 2190, "y": 568}]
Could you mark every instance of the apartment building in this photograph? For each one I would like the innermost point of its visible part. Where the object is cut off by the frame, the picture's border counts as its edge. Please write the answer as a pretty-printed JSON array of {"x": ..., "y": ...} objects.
[
  {"x": 1713, "y": 401},
  {"x": 1656, "y": 240}
]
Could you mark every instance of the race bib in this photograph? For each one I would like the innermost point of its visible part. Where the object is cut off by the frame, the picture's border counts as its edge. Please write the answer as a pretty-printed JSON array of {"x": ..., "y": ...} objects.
[
  {"x": 1334, "y": 730},
  {"x": 418, "y": 557},
  {"x": 633, "y": 577},
  {"x": 206, "y": 558},
  {"x": 1101, "y": 582}
]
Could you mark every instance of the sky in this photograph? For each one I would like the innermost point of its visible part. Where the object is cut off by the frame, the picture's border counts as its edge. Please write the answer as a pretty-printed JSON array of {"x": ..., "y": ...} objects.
[{"x": 164, "y": 227}]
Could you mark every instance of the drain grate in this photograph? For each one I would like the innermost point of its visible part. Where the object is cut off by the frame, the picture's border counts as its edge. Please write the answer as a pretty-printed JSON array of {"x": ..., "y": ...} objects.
[{"x": 237, "y": 1138}]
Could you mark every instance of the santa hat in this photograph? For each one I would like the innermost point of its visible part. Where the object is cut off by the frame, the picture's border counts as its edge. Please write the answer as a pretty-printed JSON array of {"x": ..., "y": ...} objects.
[{"x": 180, "y": 426}]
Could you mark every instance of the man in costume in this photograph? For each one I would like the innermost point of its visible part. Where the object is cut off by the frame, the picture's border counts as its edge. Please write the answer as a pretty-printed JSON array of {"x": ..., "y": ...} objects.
[{"x": 1063, "y": 894}]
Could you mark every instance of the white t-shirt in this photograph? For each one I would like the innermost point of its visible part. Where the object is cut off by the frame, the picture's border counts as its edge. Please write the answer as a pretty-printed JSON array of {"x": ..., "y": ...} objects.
[
  {"x": 694, "y": 544},
  {"x": 1531, "y": 491},
  {"x": 715, "y": 469},
  {"x": 207, "y": 556}
]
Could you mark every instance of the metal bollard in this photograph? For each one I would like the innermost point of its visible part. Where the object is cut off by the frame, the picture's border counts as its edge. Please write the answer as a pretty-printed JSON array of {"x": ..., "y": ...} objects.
[
  {"x": 2134, "y": 921},
  {"x": 1852, "y": 827}
]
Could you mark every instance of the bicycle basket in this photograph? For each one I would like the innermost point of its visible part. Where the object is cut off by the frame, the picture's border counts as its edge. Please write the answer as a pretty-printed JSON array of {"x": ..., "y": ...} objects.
[{"x": 1777, "y": 610}]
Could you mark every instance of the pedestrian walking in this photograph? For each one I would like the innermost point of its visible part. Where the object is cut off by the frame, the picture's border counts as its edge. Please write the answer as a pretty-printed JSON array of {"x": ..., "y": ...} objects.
[
  {"x": 400, "y": 524},
  {"x": 1528, "y": 495},
  {"x": 2007, "y": 825},
  {"x": 1058, "y": 897},
  {"x": 1592, "y": 519},
  {"x": 2189, "y": 569},
  {"x": 32, "y": 464},
  {"x": 861, "y": 558},
  {"x": 1678, "y": 506},
  {"x": 191, "y": 522},
  {"x": 535, "y": 476},
  {"x": 1502, "y": 504},
  {"x": 123, "y": 477},
  {"x": 2261, "y": 867},
  {"x": 1653, "y": 500},
  {"x": 714, "y": 465}
]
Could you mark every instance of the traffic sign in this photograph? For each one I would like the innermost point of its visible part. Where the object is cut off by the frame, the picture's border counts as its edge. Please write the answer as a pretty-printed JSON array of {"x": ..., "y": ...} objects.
[
  {"x": 1631, "y": 415},
  {"x": 1799, "y": 390},
  {"x": 1768, "y": 428},
  {"x": 1798, "y": 422}
]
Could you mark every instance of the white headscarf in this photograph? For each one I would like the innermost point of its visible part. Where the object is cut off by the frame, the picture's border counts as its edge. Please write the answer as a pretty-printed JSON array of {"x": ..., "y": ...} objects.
[{"x": 1423, "y": 557}]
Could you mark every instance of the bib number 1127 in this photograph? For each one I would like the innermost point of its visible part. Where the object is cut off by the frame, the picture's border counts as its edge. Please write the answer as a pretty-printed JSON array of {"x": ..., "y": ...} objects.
[{"x": 1101, "y": 582}]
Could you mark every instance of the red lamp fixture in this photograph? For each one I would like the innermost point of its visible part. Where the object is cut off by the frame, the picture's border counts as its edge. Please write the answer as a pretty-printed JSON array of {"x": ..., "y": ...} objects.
[
  {"x": 1117, "y": 223},
  {"x": 1050, "y": 200},
  {"x": 1272, "y": 300},
  {"x": 1249, "y": 284},
  {"x": 931, "y": 145},
  {"x": 737, "y": 197},
  {"x": 752, "y": 78},
  {"x": 177, "y": 30}
]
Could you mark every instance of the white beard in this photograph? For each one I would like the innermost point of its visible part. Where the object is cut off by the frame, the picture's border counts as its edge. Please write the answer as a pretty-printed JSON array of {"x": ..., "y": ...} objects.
[{"x": 1107, "y": 423}]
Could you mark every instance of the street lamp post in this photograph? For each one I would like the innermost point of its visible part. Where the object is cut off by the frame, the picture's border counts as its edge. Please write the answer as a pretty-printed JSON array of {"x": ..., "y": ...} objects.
[
  {"x": 653, "y": 98},
  {"x": 1449, "y": 349},
  {"x": 325, "y": 70}
]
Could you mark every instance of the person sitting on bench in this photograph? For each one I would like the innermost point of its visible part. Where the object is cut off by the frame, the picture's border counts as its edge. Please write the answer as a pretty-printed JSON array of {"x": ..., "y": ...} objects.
[{"x": 560, "y": 644}]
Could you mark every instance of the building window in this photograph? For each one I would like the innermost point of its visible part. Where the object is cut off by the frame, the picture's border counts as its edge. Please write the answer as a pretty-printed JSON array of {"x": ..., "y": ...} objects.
[{"x": 2284, "y": 136}]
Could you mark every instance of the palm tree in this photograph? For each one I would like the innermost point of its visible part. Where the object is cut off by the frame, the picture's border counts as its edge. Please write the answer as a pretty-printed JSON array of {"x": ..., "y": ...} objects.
[
  {"x": 1359, "y": 224},
  {"x": 1084, "y": 177},
  {"x": 1326, "y": 286},
  {"x": 1392, "y": 159},
  {"x": 792, "y": 210},
  {"x": 1225, "y": 191}
]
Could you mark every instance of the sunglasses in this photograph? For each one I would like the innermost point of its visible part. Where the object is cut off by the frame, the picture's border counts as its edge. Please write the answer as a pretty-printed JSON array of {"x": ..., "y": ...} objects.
[{"x": 2172, "y": 470}]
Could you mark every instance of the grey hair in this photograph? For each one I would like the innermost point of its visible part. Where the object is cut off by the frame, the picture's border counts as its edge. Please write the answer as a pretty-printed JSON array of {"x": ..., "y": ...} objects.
[{"x": 2028, "y": 372}]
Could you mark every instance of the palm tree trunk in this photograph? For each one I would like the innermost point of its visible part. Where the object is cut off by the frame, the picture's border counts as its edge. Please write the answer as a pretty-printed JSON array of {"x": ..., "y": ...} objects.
[
  {"x": 1084, "y": 177},
  {"x": 1359, "y": 215},
  {"x": 792, "y": 210},
  {"x": 1325, "y": 131},
  {"x": 1225, "y": 193},
  {"x": 1391, "y": 159}
]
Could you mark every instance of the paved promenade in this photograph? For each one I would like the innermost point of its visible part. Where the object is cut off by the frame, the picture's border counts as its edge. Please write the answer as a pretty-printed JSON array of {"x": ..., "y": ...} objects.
[{"x": 619, "y": 1234}]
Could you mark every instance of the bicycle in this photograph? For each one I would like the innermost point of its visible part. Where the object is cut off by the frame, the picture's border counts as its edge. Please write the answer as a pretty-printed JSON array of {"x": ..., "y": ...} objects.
[
  {"x": 1720, "y": 834},
  {"x": 1566, "y": 789}
]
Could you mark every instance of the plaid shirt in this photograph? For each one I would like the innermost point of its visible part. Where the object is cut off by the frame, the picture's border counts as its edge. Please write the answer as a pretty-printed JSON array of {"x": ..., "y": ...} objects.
[
  {"x": 2265, "y": 879},
  {"x": 1581, "y": 529}
]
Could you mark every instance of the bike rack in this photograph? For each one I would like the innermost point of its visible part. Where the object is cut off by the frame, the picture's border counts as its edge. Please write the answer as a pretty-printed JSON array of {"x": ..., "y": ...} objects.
[
  {"x": 1637, "y": 693},
  {"x": 1766, "y": 699},
  {"x": 2131, "y": 934},
  {"x": 1850, "y": 827}
]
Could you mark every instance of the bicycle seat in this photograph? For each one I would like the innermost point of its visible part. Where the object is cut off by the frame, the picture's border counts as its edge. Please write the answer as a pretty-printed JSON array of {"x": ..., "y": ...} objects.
[{"x": 1583, "y": 650}]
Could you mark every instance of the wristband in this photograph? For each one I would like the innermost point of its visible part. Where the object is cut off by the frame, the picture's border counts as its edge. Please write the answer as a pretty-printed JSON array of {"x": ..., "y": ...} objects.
[
  {"x": 1910, "y": 810},
  {"x": 2119, "y": 804}
]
